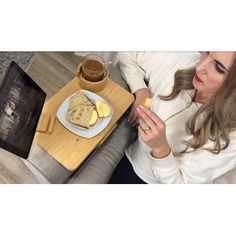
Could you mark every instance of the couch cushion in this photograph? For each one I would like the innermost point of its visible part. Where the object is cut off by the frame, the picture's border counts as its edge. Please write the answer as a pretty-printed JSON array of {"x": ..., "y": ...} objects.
[
  {"x": 14, "y": 170},
  {"x": 47, "y": 166}
]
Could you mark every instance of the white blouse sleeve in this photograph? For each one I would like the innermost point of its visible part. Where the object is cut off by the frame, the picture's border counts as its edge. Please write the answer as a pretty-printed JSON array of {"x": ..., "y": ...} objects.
[
  {"x": 137, "y": 68},
  {"x": 200, "y": 166},
  {"x": 131, "y": 70}
]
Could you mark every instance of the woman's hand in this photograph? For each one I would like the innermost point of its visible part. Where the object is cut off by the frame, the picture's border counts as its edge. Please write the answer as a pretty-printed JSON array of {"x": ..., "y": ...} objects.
[
  {"x": 153, "y": 132},
  {"x": 140, "y": 95}
]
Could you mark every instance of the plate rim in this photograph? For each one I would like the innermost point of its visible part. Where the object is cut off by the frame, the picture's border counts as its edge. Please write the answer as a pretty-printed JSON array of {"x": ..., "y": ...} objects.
[{"x": 67, "y": 125}]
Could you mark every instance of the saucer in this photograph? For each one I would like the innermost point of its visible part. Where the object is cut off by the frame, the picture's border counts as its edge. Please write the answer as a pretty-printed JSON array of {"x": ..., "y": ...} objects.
[{"x": 89, "y": 85}]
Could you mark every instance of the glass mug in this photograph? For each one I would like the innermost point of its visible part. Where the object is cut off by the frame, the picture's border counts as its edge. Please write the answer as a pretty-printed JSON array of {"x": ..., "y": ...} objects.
[{"x": 94, "y": 68}]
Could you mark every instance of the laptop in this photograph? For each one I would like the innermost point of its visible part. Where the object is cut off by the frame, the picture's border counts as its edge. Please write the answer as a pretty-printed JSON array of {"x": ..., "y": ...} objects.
[{"x": 21, "y": 103}]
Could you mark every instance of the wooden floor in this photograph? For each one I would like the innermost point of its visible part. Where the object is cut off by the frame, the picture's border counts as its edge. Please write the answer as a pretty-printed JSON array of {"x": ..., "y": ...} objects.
[{"x": 53, "y": 70}]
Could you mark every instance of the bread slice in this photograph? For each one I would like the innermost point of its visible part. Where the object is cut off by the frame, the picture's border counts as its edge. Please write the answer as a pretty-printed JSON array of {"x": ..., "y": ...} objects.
[
  {"x": 80, "y": 115},
  {"x": 79, "y": 99}
]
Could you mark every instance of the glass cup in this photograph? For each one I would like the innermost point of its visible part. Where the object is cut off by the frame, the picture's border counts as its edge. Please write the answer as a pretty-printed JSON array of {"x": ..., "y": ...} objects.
[{"x": 94, "y": 68}]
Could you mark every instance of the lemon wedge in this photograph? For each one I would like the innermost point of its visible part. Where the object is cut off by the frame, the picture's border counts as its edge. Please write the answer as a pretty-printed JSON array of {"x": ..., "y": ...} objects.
[
  {"x": 94, "y": 118},
  {"x": 103, "y": 109},
  {"x": 106, "y": 110},
  {"x": 99, "y": 108}
]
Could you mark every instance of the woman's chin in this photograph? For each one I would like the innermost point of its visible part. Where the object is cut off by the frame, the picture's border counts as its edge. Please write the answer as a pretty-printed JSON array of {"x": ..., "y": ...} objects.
[{"x": 197, "y": 85}]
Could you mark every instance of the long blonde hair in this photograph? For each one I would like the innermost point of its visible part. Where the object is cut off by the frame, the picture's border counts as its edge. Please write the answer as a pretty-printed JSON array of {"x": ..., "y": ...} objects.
[{"x": 219, "y": 115}]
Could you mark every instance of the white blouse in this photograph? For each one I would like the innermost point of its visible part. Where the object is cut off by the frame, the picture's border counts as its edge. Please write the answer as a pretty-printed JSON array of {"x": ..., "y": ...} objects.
[{"x": 157, "y": 69}]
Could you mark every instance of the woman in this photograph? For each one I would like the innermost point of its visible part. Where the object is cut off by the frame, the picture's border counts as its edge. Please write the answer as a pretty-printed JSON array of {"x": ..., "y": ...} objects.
[{"x": 188, "y": 135}]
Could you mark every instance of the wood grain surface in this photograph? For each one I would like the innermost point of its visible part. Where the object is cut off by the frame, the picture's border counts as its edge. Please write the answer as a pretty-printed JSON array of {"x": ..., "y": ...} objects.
[{"x": 67, "y": 148}]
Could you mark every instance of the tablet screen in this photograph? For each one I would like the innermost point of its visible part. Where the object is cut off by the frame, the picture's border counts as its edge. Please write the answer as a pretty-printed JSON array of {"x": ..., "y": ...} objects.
[{"x": 21, "y": 103}]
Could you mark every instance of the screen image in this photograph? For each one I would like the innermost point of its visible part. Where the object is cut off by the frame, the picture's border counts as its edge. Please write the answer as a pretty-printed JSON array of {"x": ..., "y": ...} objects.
[{"x": 21, "y": 103}]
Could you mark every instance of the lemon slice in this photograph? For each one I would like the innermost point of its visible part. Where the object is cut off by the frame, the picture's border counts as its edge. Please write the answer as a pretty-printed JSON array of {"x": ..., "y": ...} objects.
[
  {"x": 94, "y": 118},
  {"x": 103, "y": 109},
  {"x": 99, "y": 108},
  {"x": 106, "y": 110}
]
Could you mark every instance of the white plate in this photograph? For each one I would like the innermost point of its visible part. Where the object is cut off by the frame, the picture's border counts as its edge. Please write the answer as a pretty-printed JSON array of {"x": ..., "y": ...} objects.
[{"x": 83, "y": 132}]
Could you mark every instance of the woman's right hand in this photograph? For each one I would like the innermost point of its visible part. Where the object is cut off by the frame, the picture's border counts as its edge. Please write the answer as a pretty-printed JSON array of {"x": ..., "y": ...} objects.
[{"x": 140, "y": 95}]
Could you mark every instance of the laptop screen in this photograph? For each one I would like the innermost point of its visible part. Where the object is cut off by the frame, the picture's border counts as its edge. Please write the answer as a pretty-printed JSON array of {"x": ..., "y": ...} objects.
[{"x": 21, "y": 103}]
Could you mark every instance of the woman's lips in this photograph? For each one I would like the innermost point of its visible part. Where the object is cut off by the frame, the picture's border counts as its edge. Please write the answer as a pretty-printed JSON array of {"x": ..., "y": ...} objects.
[{"x": 197, "y": 78}]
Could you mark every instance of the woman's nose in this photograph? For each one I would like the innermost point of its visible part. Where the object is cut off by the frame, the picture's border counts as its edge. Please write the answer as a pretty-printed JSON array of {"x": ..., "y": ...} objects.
[{"x": 202, "y": 66}]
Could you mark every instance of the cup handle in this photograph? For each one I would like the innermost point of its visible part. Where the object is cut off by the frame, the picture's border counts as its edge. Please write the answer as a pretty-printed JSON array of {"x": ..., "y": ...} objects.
[{"x": 108, "y": 66}]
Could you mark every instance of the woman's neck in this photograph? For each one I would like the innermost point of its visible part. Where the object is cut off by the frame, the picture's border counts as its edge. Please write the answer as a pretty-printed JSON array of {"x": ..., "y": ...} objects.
[{"x": 202, "y": 97}]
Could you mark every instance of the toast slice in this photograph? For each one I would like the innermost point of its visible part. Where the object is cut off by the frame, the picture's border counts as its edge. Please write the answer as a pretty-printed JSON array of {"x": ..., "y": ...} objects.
[
  {"x": 79, "y": 99},
  {"x": 80, "y": 115}
]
